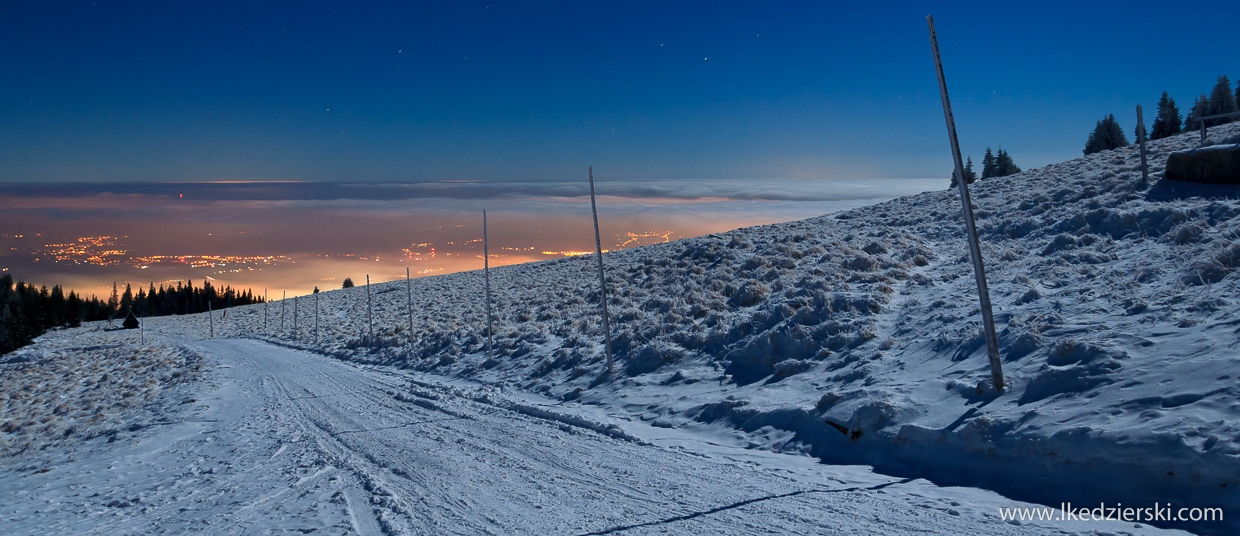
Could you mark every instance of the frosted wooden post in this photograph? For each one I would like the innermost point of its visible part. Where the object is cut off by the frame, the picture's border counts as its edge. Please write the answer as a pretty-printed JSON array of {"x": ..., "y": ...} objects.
[
  {"x": 486, "y": 274},
  {"x": 975, "y": 250},
  {"x": 1145, "y": 170},
  {"x": 210, "y": 318},
  {"x": 296, "y": 332},
  {"x": 409, "y": 302},
  {"x": 1202, "y": 122},
  {"x": 141, "y": 332},
  {"x": 602, "y": 283},
  {"x": 282, "y": 300},
  {"x": 370, "y": 316},
  {"x": 265, "y": 301},
  {"x": 316, "y": 317}
]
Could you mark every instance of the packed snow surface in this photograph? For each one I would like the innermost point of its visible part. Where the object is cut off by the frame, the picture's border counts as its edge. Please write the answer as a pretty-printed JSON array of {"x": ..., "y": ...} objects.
[
  {"x": 288, "y": 442},
  {"x": 853, "y": 338}
]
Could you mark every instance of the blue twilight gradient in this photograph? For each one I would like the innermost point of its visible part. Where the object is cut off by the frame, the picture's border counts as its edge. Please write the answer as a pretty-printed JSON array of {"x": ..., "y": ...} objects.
[{"x": 533, "y": 91}]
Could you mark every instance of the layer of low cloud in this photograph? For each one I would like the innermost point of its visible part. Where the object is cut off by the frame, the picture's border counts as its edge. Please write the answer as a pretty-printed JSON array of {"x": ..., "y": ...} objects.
[
  {"x": 688, "y": 190},
  {"x": 334, "y": 230}
]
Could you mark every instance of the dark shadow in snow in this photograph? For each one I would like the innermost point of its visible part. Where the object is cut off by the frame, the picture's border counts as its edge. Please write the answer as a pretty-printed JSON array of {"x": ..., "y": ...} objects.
[
  {"x": 1169, "y": 190},
  {"x": 961, "y": 420},
  {"x": 693, "y": 515}
]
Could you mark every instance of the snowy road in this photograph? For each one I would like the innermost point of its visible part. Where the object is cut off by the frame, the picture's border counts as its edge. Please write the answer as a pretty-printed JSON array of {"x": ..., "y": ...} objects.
[{"x": 286, "y": 442}]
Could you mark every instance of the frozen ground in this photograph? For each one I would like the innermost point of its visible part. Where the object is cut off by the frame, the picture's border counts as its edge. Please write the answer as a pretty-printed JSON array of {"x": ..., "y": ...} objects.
[
  {"x": 854, "y": 338},
  {"x": 288, "y": 442}
]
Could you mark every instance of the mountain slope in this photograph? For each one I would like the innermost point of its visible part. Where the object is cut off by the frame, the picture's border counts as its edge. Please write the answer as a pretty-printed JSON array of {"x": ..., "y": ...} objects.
[
  {"x": 855, "y": 337},
  {"x": 1114, "y": 299}
]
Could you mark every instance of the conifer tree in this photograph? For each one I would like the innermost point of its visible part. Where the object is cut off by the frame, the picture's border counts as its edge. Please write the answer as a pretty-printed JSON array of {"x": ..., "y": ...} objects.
[
  {"x": 1167, "y": 122},
  {"x": 1221, "y": 102},
  {"x": 56, "y": 308},
  {"x": 126, "y": 301},
  {"x": 1004, "y": 165},
  {"x": 1107, "y": 135},
  {"x": 988, "y": 164},
  {"x": 348, "y": 283},
  {"x": 970, "y": 176},
  {"x": 1192, "y": 122},
  {"x": 114, "y": 303}
]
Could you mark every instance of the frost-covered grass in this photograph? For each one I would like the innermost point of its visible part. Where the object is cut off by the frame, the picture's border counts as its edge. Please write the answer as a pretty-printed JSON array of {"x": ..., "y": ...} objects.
[
  {"x": 81, "y": 383},
  {"x": 855, "y": 337}
]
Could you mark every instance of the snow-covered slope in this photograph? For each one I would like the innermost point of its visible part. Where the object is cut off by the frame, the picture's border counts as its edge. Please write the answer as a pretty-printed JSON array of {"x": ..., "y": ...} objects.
[
  {"x": 281, "y": 441},
  {"x": 855, "y": 337}
]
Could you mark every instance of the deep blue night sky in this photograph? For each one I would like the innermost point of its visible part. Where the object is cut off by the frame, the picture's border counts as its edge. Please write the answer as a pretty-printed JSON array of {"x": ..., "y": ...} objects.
[{"x": 427, "y": 91}]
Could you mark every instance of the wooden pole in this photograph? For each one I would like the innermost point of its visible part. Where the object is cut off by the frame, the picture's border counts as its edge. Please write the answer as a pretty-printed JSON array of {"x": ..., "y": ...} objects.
[
  {"x": 370, "y": 315},
  {"x": 265, "y": 302},
  {"x": 141, "y": 332},
  {"x": 486, "y": 274},
  {"x": 975, "y": 250},
  {"x": 1145, "y": 171},
  {"x": 210, "y": 318},
  {"x": 602, "y": 283},
  {"x": 409, "y": 302},
  {"x": 282, "y": 300},
  {"x": 316, "y": 317},
  {"x": 296, "y": 332}
]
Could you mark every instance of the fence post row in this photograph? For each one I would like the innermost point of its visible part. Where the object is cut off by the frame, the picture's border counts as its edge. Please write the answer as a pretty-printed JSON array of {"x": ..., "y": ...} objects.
[
  {"x": 602, "y": 283},
  {"x": 486, "y": 274},
  {"x": 975, "y": 250}
]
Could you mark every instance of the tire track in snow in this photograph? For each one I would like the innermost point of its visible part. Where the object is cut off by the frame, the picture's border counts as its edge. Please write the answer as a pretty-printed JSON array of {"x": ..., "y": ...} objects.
[{"x": 444, "y": 462}]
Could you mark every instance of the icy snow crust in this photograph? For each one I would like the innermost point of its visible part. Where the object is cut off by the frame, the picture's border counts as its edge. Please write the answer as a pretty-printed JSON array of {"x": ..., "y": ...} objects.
[{"x": 855, "y": 337}]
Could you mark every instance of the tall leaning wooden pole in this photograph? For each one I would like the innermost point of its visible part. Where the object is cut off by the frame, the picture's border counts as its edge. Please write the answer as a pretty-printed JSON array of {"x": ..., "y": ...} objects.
[
  {"x": 975, "y": 250},
  {"x": 1145, "y": 169},
  {"x": 602, "y": 283},
  {"x": 486, "y": 274},
  {"x": 370, "y": 315}
]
